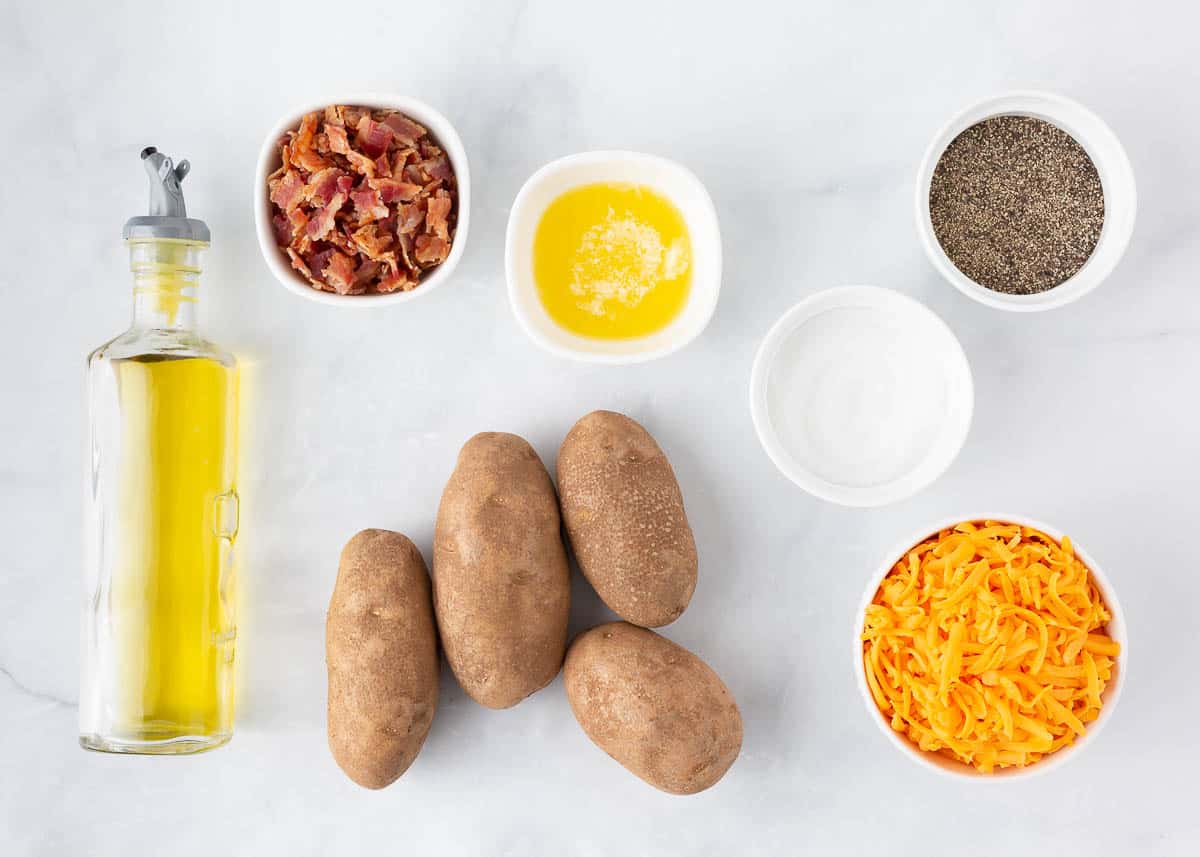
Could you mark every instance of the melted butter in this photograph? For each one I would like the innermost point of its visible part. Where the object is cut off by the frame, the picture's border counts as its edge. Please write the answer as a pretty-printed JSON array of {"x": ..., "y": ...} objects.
[{"x": 612, "y": 261}]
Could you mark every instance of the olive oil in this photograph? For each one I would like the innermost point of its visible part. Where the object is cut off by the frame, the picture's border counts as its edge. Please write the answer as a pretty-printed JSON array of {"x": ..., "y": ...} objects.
[
  {"x": 612, "y": 261},
  {"x": 172, "y": 599}
]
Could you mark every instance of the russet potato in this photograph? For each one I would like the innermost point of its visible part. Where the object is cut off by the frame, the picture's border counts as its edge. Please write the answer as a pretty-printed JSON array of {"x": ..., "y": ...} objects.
[
  {"x": 653, "y": 706},
  {"x": 381, "y": 656},
  {"x": 624, "y": 514},
  {"x": 501, "y": 582}
]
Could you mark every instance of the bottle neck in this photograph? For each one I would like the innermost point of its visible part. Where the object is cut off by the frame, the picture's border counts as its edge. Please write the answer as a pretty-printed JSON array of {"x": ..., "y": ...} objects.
[{"x": 166, "y": 280}]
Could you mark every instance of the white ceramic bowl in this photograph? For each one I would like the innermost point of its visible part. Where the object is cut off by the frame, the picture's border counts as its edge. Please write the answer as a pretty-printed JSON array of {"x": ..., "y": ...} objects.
[
  {"x": 949, "y": 767},
  {"x": 268, "y": 161},
  {"x": 1116, "y": 177},
  {"x": 809, "y": 435},
  {"x": 673, "y": 181}
]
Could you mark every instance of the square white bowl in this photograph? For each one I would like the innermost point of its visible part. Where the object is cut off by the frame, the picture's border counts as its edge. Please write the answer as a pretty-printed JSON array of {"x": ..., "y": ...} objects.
[
  {"x": 268, "y": 161},
  {"x": 1116, "y": 180},
  {"x": 673, "y": 181},
  {"x": 1117, "y": 629}
]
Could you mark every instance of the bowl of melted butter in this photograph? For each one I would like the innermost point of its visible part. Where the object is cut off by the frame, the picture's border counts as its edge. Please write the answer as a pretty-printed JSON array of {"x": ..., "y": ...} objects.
[{"x": 613, "y": 257}]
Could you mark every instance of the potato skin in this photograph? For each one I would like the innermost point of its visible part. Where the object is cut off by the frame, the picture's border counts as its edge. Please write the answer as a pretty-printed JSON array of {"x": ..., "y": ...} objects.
[
  {"x": 381, "y": 654},
  {"x": 501, "y": 583},
  {"x": 624, "y": 515},
  {"x": 653, "y": 706}
]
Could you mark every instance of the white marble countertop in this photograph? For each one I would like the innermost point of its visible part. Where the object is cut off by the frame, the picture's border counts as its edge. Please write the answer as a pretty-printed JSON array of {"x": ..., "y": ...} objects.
[{"x": 807, "y": 126}]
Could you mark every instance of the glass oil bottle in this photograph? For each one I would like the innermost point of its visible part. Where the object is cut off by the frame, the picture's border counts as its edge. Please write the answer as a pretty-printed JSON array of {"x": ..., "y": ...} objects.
[{"x": 158, "y": 623}]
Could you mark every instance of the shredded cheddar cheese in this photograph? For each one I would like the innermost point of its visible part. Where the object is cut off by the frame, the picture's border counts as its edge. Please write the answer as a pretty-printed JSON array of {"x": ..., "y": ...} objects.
[{"x": 986, "y": 643}]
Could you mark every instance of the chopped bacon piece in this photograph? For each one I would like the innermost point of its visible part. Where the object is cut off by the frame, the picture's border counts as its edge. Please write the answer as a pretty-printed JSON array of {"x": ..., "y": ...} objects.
[
  {"x": 297, "y": 220},
  {"x": 322, "y": 222},
  {"x": 406, "y": 251},
  {"x": 339, "y": 273},
  {"x": 370, "y": 242},
  {"x": 372, "y": 138},
  {"x": 393, "y": 280},
  {"x": 317, "y": 262},
  {"x": 322, "y": 185},
  {"x": 303, "y": 141},
  {"x": 338, "y": 141},
  {"x": 439, "y": 168},
  {"x": 367, "y": 204},
  {"x": 362, "y": 201},
  {"x": 437, "y": 213},
  {"x": 400, "y": 159},
  {"x": 340, "y": 238},
  {"x": 282, "y": 230},
  {"x": 298, "y": 263},
  {"x": 285, "y": 162},
  {"x": 415, "y": 174},
  {"x": 431, "y": 250},
  {"x": 366, "y": 272},
  {"x": 288, "y": 191},
  {"x": 391, "y": 190},
  {"x": 361, "y": 164},
  {"x": 406, "y": 131},
  {"x": 310, "y": 160},
  {"x": 411, "y": 217}
]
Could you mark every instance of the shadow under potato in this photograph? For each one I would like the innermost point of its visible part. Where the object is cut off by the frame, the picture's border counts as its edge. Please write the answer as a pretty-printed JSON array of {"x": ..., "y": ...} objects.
[{"x": 587, "y": 610}]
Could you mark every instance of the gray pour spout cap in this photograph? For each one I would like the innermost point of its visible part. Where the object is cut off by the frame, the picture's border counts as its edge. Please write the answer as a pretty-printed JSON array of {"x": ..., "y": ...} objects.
[{"x": 168, "y": 212}]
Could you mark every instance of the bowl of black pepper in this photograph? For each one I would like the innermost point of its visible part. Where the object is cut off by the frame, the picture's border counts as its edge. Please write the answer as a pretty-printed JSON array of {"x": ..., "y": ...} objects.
[{"x": 1025, "y": 201}]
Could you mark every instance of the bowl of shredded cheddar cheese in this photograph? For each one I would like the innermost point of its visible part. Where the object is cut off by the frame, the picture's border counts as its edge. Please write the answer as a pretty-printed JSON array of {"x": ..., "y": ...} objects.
[{"x": 990, "y": 647}]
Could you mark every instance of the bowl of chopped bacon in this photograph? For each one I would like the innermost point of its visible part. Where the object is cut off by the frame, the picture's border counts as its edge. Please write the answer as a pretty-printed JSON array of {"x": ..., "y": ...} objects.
[
  {"x": 363, "y": 200},
  {"x": 990, "y": 647}
]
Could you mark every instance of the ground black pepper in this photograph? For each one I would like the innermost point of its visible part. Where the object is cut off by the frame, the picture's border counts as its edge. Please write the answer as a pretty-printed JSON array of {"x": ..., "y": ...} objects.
[{"x": 1016, "y": 204}]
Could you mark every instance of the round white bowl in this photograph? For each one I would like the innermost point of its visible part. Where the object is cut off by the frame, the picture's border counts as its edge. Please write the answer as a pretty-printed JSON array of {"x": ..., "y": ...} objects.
[
  {"x": 941, "y": 349},
  {"x": 951, "y": 767},
  {"x": 673, "y": 181},
  {"x": 1116, "y": 177},
  {"x": 268, "y": 161}
]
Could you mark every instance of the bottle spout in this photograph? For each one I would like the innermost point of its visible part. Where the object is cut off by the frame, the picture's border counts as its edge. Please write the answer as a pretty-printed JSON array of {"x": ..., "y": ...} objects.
[
  {"x": 167, "y": 215},
  {"x": 166, "y": 192}
]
